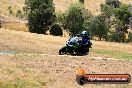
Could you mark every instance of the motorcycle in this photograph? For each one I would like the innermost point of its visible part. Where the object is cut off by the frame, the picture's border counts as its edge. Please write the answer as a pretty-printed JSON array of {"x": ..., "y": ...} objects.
[{"x": 75, "y": 49}]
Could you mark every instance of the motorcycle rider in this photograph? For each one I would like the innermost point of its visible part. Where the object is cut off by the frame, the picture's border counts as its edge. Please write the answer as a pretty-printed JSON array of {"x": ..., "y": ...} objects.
[
  {"x": 85, "y": 37},
  {"x": 73, "y": 41},
  {"x": 82, "y": 40},
  {"x": 85, "y": 42}
]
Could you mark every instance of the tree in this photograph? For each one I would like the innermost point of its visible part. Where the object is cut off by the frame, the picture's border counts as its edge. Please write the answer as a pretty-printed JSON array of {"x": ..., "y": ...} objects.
[
  {"x": 10, "y": 10},
  {"x": 113, "y": 3},
  {"x": 19, "y": 14},
  {"x": 56, "y": 30},
  {"x": 106, "y": 10},
  {"x": 130, "y": 37},
  {"x": 87, "y": 19},
  {"x": 0, "y": 24},
  {"x": 81, "y": 1},
  {"x": 122, "y": 15},
  {"x": 73, "y": 18},
  {"x": 116, "y": 16},
  {"x": 98, "y": 28},
  {"x": 60, "y": 18},
  {"x": 40, "y": 15}
]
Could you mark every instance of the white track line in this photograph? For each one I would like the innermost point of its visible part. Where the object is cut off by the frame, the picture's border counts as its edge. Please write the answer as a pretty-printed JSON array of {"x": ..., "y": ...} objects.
[
  {"x": 7, "y": 53},
  {"x": 30, "y": 54},
  {"x": 97, "y": 58}
]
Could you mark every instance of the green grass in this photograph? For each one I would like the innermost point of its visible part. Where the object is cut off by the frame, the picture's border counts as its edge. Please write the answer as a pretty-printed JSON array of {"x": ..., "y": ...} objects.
[
  {"x": 23, "y": 83},
  {"x": 19, "y": 84},
  {"x": 113, "y": 53}
]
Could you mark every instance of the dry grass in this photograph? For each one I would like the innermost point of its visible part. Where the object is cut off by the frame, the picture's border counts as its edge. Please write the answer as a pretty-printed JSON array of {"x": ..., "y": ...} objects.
[
  {"x": 15, "y": 26},
  {"x": 37, "y": 63},
  {"x": 15, "y": 5},
  {"x": 40, "y": 43}
]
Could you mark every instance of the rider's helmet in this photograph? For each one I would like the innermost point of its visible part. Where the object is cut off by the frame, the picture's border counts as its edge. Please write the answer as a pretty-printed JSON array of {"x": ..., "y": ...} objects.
[{"x": 84, "y": 33}]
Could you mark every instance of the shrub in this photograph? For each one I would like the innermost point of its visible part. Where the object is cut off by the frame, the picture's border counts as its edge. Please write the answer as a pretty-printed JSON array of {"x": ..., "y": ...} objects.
[
  {"x": 56, "y": 30},
  {"x": 130, "y": 37},
  {"x": 113, "y": 37}
]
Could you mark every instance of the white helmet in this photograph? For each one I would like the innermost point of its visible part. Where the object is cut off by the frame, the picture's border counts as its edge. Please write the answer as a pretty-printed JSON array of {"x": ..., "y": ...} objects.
[{"x": 84, "y": 33}]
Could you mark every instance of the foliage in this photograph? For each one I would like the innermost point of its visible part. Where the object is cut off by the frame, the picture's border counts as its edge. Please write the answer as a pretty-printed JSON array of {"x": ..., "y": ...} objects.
[
  {"x": 114, "y": 37},
  {"x": 73, "y": 18},
  {"x": 19, "y": 14},
  {"x": 130, "y": 37},
  {"x": 122, "y": 13},
  {"x": 88, "y": 17},
  {"x": 116, "y": 16},
  {"x": 98, "y": 28},
  {"x": 10, "y": 10},
  {"x": 40, "y": 15},
  {"x": 81, "y": 1},
  {"x": 60, "y": 18},
  {"x": 56, "y": 30},
  {"x": 113, "y": 3},
  {"x": 106, "y": 10}
]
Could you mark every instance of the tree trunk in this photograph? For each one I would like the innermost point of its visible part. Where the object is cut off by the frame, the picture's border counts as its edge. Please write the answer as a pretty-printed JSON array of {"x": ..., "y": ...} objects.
[
  {"x": 81, "y": 1},
  {"x": 0, "y": 25},
  {"x": 100, "y": 38}
]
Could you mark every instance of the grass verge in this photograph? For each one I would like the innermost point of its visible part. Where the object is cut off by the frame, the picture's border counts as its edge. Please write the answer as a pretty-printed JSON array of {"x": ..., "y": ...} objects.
[{"x": 113, "y": 53}]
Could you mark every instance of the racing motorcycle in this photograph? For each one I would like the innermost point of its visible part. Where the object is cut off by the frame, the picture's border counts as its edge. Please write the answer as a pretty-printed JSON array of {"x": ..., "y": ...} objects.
[{"x": 75, "y": 49}]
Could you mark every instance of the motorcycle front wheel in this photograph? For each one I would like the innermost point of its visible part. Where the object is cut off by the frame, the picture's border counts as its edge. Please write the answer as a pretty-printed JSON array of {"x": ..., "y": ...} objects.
[{"x": 63, "y": 51}]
